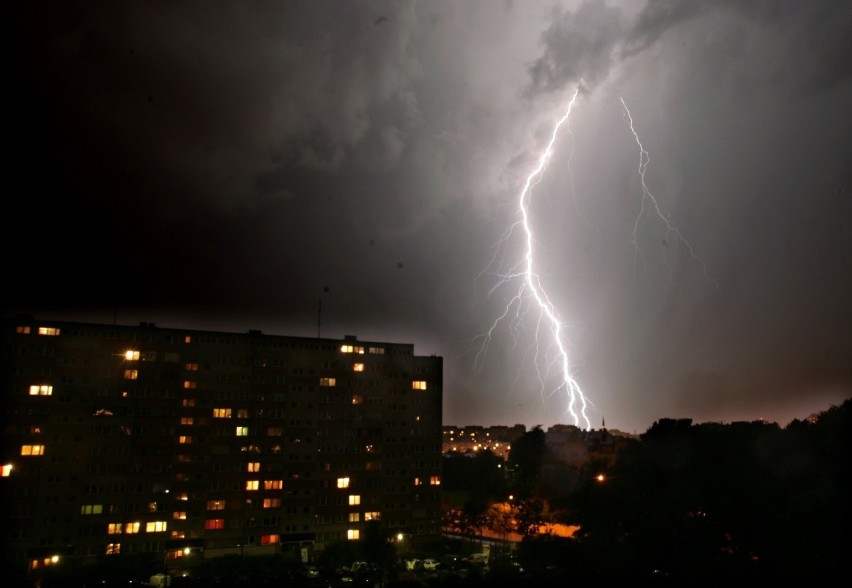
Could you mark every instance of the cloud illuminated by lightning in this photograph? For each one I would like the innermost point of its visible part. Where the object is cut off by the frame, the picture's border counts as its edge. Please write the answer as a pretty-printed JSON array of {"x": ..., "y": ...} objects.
[{"x": 531, "y": 293}]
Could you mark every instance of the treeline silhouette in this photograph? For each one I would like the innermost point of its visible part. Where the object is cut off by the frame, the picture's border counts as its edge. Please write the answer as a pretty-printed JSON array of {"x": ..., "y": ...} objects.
[{"x": 686, "y": 504}]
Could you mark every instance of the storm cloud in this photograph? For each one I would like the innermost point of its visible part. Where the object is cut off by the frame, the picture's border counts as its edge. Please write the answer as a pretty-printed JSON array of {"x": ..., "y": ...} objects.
[{"x": 352, "y": 167}]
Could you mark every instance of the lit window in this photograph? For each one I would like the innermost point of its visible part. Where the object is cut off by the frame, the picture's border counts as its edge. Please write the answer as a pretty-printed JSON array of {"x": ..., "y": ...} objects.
[
  {"x": 357, "y": 399},
  {"x": 328, "y": 382},
  {"x": 274, "y": 431},
  {"x": 354, "y": 517},
  {"x": 88, "y": 509},
  {"x": 353, "y": 534},
  {"x": 50, "y": 331},
  {"x": 372, "y": 516},
  {"x": 188, "y": 402},
  {"x": 253, "y": 466},
  {"x": 269, "y": 539},
  {"x": 252, "y": 484},
  {"x": 132, "y": 528},
  {"x": 346, "y": 348},
  {"x": 215, "y": 505},
  {"x": 186, "y": 420},
  {"x": 41, "y": 390},
  {"x": 354, "y": 499},
  {"x": 32, "y": 449},
  {"x": 182, "y": 496},
  {"x": 189, "y": 385},
  {"x": 358, "y": 367},
  {"x": 273, "y": 484},
  {"x": 131, "y": 355},
  {"x": 131, "y": 374},
  {"x": 23, "y": 330},
  {"x": 187, "y": 339},
  {"x": 221, "y": 413},
  {"x": 156, "y": 526},
  {"x": 113, "y": 548},
  {"x": 271, "y": 503},
  {"x": 7, "y": 470},
  {"x": 184, "y": 439},
  {"x": 214, "y": 524},
  {"x": 343, "y": 482},
  {"x": 418, "y": 384},
  {"x": 191, "y": 367},
  {"x": 377, "y": 350},
  {"x": 114, "y": 529},
  {"x": 418, "y": 482},
  {"x": 242, "y": 431},
  {"x": 179, "y": 515},
  {"x": 435, "y": 480}
]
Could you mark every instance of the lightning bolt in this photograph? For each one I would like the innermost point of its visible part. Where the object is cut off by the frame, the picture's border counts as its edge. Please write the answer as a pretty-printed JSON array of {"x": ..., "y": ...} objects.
[
  {"x": 531, "y": 291},
  {"x": 647, "y": 195}
]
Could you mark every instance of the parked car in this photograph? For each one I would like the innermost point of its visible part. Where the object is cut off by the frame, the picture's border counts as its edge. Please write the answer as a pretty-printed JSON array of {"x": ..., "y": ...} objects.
[
  {"x": 479, "y": 559},
  {"x": 431, "y": 564},
  {"x": 312, "y": 571}
]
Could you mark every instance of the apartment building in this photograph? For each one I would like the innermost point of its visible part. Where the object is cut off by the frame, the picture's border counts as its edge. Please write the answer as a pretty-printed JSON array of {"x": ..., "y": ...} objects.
[{"x": 192, "y": 444}]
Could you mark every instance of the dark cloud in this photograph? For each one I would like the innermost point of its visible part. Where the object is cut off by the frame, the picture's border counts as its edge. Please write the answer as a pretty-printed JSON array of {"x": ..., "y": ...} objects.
[
  {"x": 656, "y": 18},
  {"x": 805, "y": 36},
  {"x": 579, "y": 45}
]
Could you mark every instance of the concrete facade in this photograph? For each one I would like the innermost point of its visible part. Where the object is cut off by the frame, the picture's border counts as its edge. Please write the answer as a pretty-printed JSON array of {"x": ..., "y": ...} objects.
[{"x": 191, "y": 444}]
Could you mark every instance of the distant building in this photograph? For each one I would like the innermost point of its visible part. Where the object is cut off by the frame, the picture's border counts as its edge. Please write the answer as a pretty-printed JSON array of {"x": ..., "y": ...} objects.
[
  {"x": 192, "y": 444},
  {"x": 568, "y": 443},
  {"x": 472, "y": 438}
]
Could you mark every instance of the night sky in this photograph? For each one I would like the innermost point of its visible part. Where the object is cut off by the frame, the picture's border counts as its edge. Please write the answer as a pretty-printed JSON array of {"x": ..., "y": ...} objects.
[{"x": 237, "y": 165}]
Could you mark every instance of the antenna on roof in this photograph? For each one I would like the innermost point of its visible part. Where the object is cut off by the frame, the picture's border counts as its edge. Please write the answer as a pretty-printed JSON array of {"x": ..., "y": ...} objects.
[{"x": 319, "y": 311}]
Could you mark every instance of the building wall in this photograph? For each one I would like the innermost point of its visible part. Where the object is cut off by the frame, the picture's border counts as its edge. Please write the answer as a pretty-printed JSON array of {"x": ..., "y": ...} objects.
[{"x": 189, "y": 444}]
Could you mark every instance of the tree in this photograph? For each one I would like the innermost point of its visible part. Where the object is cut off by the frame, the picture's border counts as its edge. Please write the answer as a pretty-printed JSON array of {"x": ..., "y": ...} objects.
[
  {"x": 713, "y": 502},
  {"x": 530, "y": 514},
  {"x": 525, "y": 461},
  {"x": 483, "y": 473},
  {"x": 376, "y": 546}
]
